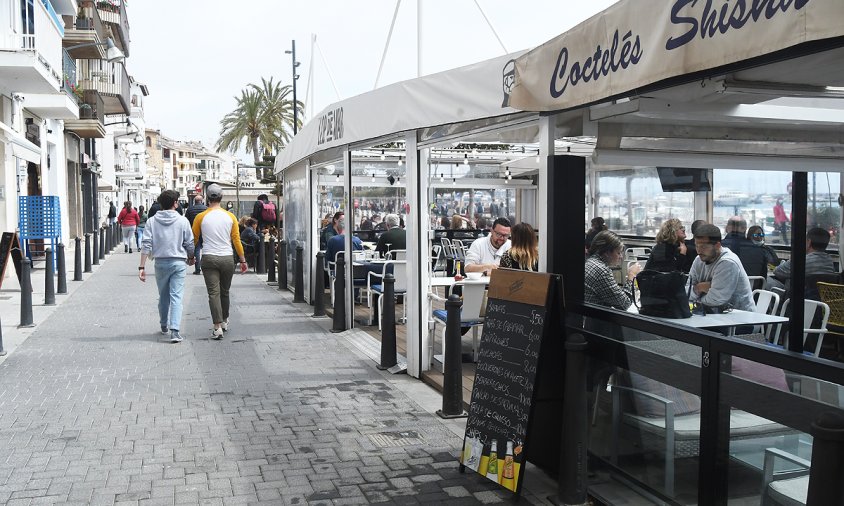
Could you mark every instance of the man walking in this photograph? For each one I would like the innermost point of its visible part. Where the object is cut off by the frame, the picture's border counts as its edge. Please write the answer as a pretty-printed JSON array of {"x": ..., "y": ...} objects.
[
  {"x": 219, "y": 232},
  {"x": 192, "y": 212},
  {"x": 264, "y": 212},
  {"x": 168, "y": 239}
]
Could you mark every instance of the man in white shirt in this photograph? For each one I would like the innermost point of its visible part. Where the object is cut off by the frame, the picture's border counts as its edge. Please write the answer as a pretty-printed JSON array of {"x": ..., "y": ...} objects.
[{"x": 485, "y": 253}]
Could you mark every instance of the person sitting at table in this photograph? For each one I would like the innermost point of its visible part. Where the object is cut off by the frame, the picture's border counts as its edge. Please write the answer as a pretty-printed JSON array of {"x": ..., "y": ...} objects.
[
  {"x": 250, "y": 239},
  {"x": 485, "y": 253},
  {"x": 670, "y": 251},
  {"x": 605, "y": 251},
  {"x": 330, "y": 230},
  {"x": 752, "y": 258},
  {"x": 757, "y": 237},
  {"x": 717, "y": 278},
  {"x": 817, "y": 262},
  {"x": 524, "y": 252},
  {"x": 394, "y": 238},
  {"x": 338, "y": 243}
]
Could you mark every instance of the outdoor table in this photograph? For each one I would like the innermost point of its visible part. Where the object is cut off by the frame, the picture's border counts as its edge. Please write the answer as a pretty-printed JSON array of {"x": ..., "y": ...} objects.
[{"x": 732, "y": 319}]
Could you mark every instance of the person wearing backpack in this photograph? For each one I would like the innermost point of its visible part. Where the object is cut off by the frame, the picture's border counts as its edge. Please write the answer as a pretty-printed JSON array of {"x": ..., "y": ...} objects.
[{"x": 264, "y": 212}]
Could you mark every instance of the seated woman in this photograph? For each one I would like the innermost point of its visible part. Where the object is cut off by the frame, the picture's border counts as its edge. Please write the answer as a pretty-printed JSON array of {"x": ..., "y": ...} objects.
[
  {"x": 524, "y": 252},
  {"x": 669, "y": 254},
  {"x": 600, "y": 287},
  {"x": 757, "y": 237}
]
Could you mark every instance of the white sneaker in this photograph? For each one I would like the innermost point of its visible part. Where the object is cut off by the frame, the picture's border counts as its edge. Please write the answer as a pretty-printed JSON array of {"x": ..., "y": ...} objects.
[
  {"x": 225, "y": 325},
  {"x": 217, "y": 333}
]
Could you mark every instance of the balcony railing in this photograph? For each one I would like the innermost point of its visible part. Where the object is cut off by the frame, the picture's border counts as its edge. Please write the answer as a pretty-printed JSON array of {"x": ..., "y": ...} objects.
[
  {"x": 114, "y": 12},
  {"x": 69, "y": 84},
  {"x": 91, "y": 21},
  {"x": 107, "y": 78},
  {"x": 92, "y": 106},
  {"x": 44, "y": 38}
]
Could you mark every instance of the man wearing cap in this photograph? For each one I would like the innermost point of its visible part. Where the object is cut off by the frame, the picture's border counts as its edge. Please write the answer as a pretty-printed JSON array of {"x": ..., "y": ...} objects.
[
  {"x": 218, "y": 229},
  {"x": 717, "y": 278}
]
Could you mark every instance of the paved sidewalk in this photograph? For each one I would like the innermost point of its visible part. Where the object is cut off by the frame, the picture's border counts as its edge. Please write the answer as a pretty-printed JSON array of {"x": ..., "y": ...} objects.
[{"x": 96, "y": 408}]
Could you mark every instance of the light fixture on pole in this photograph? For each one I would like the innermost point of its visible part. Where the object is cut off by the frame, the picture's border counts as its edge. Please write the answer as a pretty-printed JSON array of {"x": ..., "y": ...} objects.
[
  {"x": 113, "y": 53},
  {"x": 292, "y": 53}
]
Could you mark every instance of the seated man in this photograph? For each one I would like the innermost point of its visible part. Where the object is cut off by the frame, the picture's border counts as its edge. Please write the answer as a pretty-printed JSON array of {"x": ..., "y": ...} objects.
[
  {"x": 817, "y": 262},
  {"x": 717, "y": 278},
  {"x": 395, "y": 236},
  {"x": 250, "y": 239},
  {"x": 752, "y": 258},
  {"x": 338, "y": 242},
  {"x": 485, "y": 252}
]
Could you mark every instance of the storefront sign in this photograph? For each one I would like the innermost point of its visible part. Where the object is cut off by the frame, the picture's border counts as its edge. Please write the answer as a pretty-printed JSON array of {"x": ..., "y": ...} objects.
[
  {"x": 638, "y": 43},
  {"x": 331, "y": 126}
]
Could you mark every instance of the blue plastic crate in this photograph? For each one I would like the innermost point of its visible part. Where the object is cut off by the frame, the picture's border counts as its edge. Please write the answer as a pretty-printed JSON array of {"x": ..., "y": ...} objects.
[{"x": 39, "y": 217}]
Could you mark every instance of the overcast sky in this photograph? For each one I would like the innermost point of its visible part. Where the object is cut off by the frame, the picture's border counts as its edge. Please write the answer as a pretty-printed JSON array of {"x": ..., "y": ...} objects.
[{"x": 196, "y": 55}]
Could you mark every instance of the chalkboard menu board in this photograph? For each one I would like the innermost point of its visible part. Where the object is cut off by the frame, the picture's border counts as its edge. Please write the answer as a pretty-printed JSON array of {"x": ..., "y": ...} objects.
[{"x": 505, "y": 378}]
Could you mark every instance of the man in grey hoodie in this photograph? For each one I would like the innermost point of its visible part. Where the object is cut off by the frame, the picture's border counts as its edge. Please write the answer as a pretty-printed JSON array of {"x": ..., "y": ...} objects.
[
  {"x": 168, "y": 239},
  {"x": 717, "y": 277}
]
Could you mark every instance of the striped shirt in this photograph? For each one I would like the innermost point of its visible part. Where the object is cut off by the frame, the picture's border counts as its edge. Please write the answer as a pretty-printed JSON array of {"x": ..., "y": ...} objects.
[{"x": 219, "y": 232}]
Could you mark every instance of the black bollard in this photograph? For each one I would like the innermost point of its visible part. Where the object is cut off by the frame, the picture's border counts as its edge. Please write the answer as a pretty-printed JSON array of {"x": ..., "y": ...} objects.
[
  {"x": 26, "y": 294},
  {"x": 100, "y": 251},
  {"x": 115, "y": 237},
  {"x": 87, "y": 252},
  {"x": 62, "y": 267},
  {"x": 271, "y": 260},
  {"x": 96, "y": 250},
  {"x": 2, "y": 350},
  {"x": 261, "y": 265},
  {"x": 282, "y": 265},
  {"x": 319, "y": 285},
  {"x": 571, "y": 485},
  {"x": 825, "y": 484},
  {"x": 339, "y": 323},
  {"x": 299, "y": 276},
  {"x": 77, "y": 259},
  {"x": 453, "y": 362},
  {"x": 49, "y": 281},
  {"x": 388, "y": 324},
  {"x": 107, "y": 241}
]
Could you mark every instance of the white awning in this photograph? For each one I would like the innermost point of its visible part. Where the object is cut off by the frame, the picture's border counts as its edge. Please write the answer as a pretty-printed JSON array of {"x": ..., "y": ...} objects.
[
  {"x": 21, "y": 148},
  {"x": 637, "y": 44}
]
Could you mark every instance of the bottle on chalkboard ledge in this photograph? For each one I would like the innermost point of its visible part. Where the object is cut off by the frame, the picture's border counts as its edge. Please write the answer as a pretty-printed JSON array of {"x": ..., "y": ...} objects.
[
  {"x": 492, "y": 467},
  {"x": 507, "y": 472}
]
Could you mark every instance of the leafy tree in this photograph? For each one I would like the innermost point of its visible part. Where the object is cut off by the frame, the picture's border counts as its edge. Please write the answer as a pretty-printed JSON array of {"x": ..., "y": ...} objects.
[{"x": 263, "y": 116}]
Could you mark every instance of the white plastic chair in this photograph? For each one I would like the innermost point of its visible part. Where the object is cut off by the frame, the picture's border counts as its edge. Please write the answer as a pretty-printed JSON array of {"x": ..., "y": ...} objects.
[
  {"x": 396, "y": 254},
  {"x": 375, "y": 284},
  {"x": 470, "y": 315},
  {"x": 757, "y": 282},
  {"x": 810, "y": 308},
  {"x": 766, "y": 303}
]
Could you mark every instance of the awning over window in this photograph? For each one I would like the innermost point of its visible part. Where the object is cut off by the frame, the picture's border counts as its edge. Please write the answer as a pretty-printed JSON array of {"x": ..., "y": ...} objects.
[{"x": 21, "y": 148}]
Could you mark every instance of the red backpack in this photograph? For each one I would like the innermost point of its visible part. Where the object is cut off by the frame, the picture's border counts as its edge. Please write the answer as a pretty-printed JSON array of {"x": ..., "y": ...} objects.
[{"x": 268, "y": 212}]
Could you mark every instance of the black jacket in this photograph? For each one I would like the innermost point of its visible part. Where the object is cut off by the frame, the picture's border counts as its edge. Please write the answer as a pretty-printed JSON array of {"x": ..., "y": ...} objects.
[
  {"x": 752, "y": 257},
  {"x": 667, "y": 258},
  {"x": 194, "y": 210}
]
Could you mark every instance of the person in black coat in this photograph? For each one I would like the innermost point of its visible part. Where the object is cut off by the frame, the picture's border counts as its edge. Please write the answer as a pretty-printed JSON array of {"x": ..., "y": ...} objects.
[
  {"x": 193, "y": 211},
  {"x": 670, "y": 251}
]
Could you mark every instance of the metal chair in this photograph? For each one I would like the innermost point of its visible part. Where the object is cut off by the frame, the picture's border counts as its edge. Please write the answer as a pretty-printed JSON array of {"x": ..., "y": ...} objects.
[
  {"x": 767, "y": 302},
  {"x": 470, "y": 315},
  {"x": 757, "y": 282},
  {"x": 811, "y": 307},
  {"x": 399, "y": 268}
]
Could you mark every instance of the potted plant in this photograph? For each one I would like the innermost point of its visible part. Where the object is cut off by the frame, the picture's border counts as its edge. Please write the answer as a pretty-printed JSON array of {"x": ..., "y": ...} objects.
[{"x": 83, "y": 22}]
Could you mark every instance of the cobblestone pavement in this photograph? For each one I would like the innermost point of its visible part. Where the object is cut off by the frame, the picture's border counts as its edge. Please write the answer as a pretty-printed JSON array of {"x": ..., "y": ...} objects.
[{"x": 96, "y": 408}]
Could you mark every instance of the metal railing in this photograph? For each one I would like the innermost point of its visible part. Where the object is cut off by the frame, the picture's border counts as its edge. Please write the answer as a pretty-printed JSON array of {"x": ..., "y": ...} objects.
[
  {"x": 107, "y": 78},
  {"x": 95, "y": 108},
  {"x": 91, "y": 21},
  {"x": 69, "y": 82},
  {"x": 114, "y": 12}
]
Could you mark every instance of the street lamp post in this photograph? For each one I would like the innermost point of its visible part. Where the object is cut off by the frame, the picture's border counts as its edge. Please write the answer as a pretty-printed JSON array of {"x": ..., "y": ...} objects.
[{"x": 292, "y": 53}]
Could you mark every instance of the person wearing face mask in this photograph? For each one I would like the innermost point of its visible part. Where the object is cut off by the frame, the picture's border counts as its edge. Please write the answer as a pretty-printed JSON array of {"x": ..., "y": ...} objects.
[
  {"x": 717, "y": 278},
  {"x": 757, "y": 236}
]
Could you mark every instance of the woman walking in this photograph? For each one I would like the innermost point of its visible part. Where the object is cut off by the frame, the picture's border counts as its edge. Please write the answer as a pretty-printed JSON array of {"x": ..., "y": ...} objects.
[
  {"x": 129, "y": 220},
  {"x": 524, "y": 252},
  {"x": 139, "y": 233}
]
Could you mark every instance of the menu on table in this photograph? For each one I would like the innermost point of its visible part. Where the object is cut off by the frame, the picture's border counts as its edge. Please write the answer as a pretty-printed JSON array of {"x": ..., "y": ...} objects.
[{"x": 505, "y": 376}]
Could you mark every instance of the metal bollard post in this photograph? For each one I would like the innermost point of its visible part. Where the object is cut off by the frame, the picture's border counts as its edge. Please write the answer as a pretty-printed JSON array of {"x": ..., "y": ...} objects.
[
  {"x": 571, "y": 485},
  {"x": 388, "y": 324},
  {"x": 60, "y": 263},
  {"x": 102, "y": 243},
  {"x": 319, "y": 285},
  {"x": 115, "y": 237},
  {"x": 96, "y": 250},
  {"x": 49, "y": 282},
  {"x": 299, "y": 275},
  {"x": 825, "y": 484},
  {"x": 87, "y": 252},
  {"x": 282, "y": 265},
  {"x": 271, "y": 260},
  {"x": 77, "y": 259},
  {"x": 2, "y": 351},
  {"x": 107, "y": 234},
  {"x": 339, "y": 323},
  {"x": 261, "y": 265},
  {"x": 26, "y": 294},
  {"x": 453, "y": 366}
]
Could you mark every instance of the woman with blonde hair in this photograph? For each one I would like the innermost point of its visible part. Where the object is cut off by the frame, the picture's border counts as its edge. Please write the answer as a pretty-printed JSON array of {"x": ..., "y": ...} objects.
[
  {"x": 669, "y": 254},
  {"x": 524, "y": 252}
]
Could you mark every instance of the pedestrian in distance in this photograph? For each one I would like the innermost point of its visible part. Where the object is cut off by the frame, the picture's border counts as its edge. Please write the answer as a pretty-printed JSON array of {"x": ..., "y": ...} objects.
[
  {"x": 168, "y": 239},
  {"x": 264, "y": 212},
  {"x": 219, "y": 232},
  {"x": 139, "y": 232},
  {"x": 129, "y": 220},
  {"x": 191, "y": 214},
  {"x": 112, "y": 213}
]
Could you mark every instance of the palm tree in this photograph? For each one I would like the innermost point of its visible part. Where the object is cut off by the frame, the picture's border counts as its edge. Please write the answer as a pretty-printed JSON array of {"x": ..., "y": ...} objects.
[{"x": 264, "y": 116}]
